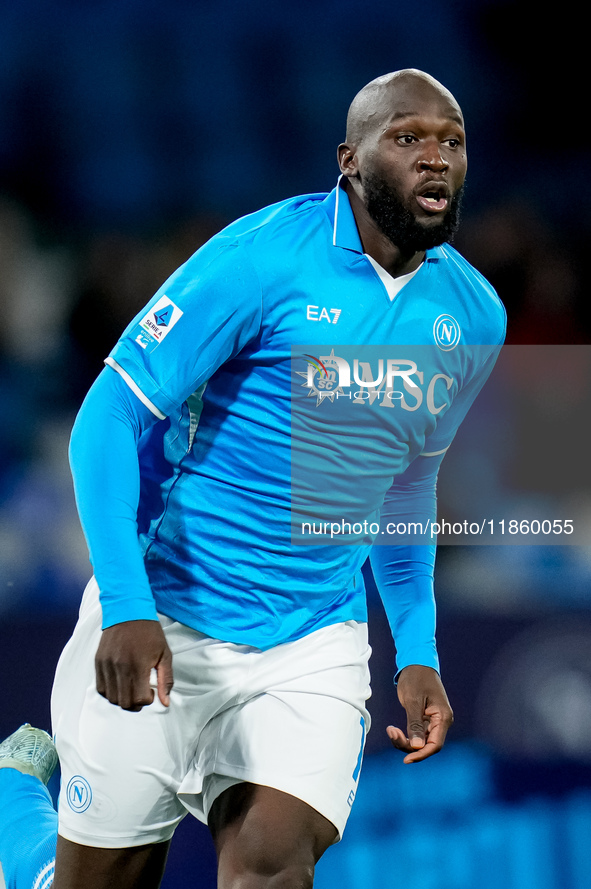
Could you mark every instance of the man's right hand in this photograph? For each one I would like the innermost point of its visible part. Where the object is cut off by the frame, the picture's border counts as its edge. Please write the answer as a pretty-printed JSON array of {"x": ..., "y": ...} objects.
[{"x": 126, "y": 655}]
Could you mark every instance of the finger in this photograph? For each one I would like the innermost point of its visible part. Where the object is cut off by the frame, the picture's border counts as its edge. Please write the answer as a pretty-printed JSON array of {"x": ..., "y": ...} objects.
[
  {"x": 139, "y": 692},
  {"x": 398, "y": 739},
  {"x": 107, "y": 685},
  {"x": 415, "y": 729},
  {"x": 438, "y": 714},
  {"x": 418, "y": 755},
  {"x": 165, "y": 679},
  {"x": 434, "y": 742},
  {"x": 134, "y": 697},
  {"x": 133, "y": 687},
  {"x": 437, "y": 731},
  {"x": 101, "y": 683}
]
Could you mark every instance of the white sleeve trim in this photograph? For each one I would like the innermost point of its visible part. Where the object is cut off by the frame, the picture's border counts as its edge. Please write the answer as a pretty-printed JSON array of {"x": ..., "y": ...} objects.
[
  {"x": 135, "y": 388},
  {"x": 433, "y": 453}
]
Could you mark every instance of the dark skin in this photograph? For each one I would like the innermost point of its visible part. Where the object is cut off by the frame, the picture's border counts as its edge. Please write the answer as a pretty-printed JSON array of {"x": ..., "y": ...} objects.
[
  {"x": 417, "y": 140},
  {"x": 409, "y": 130}
]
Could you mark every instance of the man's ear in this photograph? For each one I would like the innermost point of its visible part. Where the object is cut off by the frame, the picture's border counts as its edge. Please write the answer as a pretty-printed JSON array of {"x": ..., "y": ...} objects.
[{"x": 347, "y": 159}]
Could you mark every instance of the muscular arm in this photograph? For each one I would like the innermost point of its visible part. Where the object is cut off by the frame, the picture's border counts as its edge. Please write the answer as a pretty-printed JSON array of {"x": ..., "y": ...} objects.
[
  {"x": 105, "y": 468},
  {"x": 404, "y": 577},
  {"x": 208, "y": 326}
]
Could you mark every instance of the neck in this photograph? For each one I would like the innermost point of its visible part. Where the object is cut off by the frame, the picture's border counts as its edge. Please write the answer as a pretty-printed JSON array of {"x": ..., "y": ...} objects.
[{"x": 375, "y": 242}]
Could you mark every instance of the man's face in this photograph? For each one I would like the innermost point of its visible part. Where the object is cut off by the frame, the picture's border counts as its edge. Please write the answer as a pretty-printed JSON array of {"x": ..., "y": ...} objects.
[{"x": 412, "y": 169}]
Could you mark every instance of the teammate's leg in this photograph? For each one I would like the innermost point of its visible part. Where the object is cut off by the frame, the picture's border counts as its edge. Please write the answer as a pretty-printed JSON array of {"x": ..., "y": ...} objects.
[
  {"x": 266, "y": 839},
  {"x": 29, "y": 823},
  {"x": 28, "y": 820}
]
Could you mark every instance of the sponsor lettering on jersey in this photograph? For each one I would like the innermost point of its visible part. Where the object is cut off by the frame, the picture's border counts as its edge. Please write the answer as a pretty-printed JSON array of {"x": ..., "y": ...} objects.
[
  {"x": 329, "y": 376},
  {"x": 316, "y": 313}
]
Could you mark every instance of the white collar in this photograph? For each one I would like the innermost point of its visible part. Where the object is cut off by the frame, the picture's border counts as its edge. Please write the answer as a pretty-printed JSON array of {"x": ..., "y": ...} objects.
[{"x": 393, "y": 285}]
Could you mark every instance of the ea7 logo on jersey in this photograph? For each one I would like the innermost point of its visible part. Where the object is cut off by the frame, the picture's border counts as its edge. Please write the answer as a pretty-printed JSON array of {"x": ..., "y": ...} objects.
[
  {"x": 157, "y": 324},
  {"x": 315, "y": 313}
]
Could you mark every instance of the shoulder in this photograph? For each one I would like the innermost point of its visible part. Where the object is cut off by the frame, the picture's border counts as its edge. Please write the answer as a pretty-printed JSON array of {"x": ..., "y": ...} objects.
[
  {"x": 242, "y": 259},
  {"x": 268, "y": 222},
  {"x": 457, "y": 265},
  {"x": 261, "y": 238},
  {"x": 461, "y": 277}
]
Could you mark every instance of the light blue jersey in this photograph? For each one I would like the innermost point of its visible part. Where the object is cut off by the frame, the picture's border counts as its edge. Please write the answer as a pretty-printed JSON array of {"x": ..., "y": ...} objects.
[{"x": 216, "y": 356}]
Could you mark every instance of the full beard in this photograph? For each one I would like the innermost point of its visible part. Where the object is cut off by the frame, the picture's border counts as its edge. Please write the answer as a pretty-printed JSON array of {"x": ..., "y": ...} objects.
[{"x": 386, "y": 207}]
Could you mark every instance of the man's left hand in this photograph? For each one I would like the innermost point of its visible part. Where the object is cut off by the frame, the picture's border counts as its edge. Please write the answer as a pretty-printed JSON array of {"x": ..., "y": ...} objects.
[{"x": 428, "y": 712}]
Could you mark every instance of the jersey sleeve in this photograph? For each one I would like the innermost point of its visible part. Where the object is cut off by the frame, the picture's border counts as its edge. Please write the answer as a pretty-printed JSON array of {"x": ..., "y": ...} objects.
[
  {"x": 404, "y": 573},
  {"x": 105, "y": 469},
  {"x": 202, "y": 316}
]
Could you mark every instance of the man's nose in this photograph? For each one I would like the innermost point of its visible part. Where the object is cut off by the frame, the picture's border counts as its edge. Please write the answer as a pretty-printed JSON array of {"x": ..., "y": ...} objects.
[{"x": 432, "y": 159}]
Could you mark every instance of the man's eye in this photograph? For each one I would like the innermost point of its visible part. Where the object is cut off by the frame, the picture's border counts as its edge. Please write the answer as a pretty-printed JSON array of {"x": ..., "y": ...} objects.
[
  {"x": 453, "y": 143},
  {"x": 407, "y": 139}
]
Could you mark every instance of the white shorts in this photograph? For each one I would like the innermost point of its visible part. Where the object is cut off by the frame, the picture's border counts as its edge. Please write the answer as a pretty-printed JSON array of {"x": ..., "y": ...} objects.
[{"x": 292, "y": 718}]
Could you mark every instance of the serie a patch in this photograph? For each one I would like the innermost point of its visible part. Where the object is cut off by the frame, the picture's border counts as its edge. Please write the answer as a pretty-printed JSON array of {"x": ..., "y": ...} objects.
[{"x": 156, "y": 324}]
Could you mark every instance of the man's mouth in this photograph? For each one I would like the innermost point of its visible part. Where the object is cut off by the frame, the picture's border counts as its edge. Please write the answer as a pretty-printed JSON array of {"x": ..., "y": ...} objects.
[{"x": 433, "y": 197}]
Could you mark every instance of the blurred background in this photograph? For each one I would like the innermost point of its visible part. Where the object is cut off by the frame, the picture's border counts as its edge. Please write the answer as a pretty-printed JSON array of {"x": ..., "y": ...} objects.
[{"x": 129, "y": 133}]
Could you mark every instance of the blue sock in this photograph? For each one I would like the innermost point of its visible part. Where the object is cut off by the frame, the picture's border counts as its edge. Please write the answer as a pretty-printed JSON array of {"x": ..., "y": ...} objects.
[{"x": 28, "y": 831}]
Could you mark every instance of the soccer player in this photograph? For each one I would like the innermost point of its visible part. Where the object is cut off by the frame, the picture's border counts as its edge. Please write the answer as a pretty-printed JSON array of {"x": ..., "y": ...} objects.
[{"x": 219, "y": 664}]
